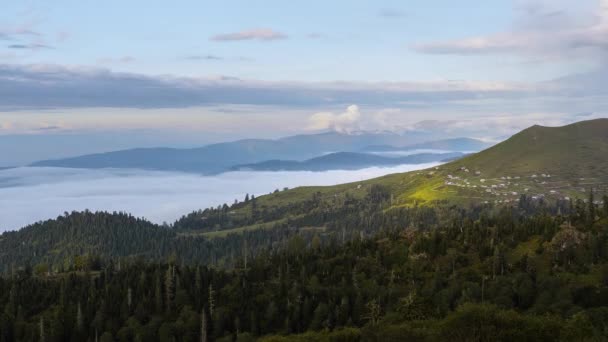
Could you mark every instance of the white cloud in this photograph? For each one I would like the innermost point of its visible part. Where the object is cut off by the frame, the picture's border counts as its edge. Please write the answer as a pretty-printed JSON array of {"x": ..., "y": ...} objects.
[
  {"x": 33, "y": 194},
  {"x": 261, "y": 34},
  {"x": 489, "y": 128},
  {"x": 543, "y": 29},
  {"x": 347, "y": 121},
  {"x": 45, "y": 85}
]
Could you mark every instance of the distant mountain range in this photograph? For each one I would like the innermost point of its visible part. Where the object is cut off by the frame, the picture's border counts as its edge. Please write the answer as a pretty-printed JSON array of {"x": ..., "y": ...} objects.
[
  {"x": 456, "y": 144},
  {"x": 346, "y": 161},
  {"x": 542, "y": 162},
  {"x": 217, "y": 158}
]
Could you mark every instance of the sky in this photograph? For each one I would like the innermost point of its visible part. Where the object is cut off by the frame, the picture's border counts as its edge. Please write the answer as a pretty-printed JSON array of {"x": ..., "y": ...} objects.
[{"x": 186, "y": 73}]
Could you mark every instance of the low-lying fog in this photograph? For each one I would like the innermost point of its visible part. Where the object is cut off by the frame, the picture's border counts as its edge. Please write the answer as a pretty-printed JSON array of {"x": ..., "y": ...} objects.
[
  {"x": 412, "y": 152},
  {"x": 28, "y": 195}
]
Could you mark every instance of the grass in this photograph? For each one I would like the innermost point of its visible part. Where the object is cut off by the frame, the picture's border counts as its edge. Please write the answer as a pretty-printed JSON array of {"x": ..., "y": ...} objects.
[
  {"x": 576, "y": 157},
  {"x": 225, "y": 232}
]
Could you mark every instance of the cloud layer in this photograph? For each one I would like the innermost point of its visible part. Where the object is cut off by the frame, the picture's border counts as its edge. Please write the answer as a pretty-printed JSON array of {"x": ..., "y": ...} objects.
[
  {"x": 33, "y": 194},
  {"x": 54, "y": 86}
]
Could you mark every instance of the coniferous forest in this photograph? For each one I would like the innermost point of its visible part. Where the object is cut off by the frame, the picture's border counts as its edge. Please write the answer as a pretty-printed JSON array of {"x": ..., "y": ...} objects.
[{"x": 535, "y": 271}]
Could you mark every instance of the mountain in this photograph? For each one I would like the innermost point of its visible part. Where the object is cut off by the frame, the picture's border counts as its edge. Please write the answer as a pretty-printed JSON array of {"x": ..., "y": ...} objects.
[
  {"x": 416, "y": 256},
  {"x": 221, "y": 157},
  {"x": 456, "y": 144},
  {"x": 574, "y": 151},
  {"x": 540, "y": 162},
  {"x": 550, "y": 163},
  {"x": 346, "y": 161},
  {"x": 555, "y": 163}
]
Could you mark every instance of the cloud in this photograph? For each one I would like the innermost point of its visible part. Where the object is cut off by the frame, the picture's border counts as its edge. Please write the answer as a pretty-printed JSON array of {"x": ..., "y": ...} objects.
[
  {"x": 23, "y": 38},
  {"x": 17, "y": 33},
  {"x": 260, "y": 34},
  {"x": 540, "y": 30},
  {"x": 34, "y": 46},
  {"x": 496, "y": 126},
  {"x": 116, "y": 60},
  {"x": 40, "y": 86},
  {"x": 50, "y": 128},
  {"x": 204, "y": 58},
  {"x": 315, "y": 35},
  {"x": 391, "y": 13},
  {"x": 62, "y": 36},
  {"x": 33, "y": 194},
  {"x": 347, "y": 121},
  {"x": 54, "y": 86}
]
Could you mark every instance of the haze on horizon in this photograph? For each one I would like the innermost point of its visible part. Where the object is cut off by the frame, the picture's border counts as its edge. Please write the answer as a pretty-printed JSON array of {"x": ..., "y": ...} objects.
[{"x": 184, "y": 76}]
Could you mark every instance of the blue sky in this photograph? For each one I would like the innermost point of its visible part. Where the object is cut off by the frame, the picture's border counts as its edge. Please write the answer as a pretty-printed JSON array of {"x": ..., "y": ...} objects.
[
  {"x": 231, "y": 69},
  {"x": 316, "y": 40}
]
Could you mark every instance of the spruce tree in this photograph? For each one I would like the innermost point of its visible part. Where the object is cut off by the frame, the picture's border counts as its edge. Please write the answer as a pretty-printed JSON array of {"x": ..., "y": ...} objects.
[
  {"x": 211, "y": 299},
  {"x": 41, "y": 326},
  {"x": 158, "y": 296},
  {"x": 170, "y": 287},
  {"x": 79, "y": 319},
  {"x": 203, "y": 326},
  {"x": 591, "y": 213}
]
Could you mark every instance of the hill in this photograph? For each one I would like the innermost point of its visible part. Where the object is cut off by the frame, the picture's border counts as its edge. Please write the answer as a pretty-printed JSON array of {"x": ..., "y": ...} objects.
[
  {"x": 360, "y": 261},
  {"x": 525, "y": 273},
  {"x": 456, "y": 144},
  {"x": 556, "y": 164},
  {"x": 346, "y": 161},
  {"x": 540, "y": 162},
  {"x": 221, "y": 157}
]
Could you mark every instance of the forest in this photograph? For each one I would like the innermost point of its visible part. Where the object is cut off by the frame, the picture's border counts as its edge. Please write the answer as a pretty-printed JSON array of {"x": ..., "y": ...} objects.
[{"x": 535, "y": 271}]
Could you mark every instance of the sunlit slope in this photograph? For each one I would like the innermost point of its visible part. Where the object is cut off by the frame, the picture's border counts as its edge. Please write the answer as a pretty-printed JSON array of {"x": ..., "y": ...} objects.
[
  {"x": 577, "y": 150},
  {"x": 557, "y": 162}
]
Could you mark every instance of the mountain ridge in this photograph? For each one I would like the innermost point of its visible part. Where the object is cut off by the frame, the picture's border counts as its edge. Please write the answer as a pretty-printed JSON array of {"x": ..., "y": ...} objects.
[
  {"x": 220, "y": 157},
  {"x": 345, "y": 161}
]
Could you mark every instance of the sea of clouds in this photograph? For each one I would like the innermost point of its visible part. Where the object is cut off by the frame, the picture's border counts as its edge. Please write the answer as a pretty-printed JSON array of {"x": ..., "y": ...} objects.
[{"x": 28, "y": 194}]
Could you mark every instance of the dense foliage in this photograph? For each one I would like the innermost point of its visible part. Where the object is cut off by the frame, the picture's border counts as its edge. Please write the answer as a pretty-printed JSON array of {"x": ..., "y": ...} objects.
[{"x": 533, "y": 272}]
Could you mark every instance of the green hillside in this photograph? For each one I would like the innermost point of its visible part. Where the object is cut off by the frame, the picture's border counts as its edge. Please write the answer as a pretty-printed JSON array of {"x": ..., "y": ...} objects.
[
  {"x": 554, "y": 163},
  {"x": 576, "y": 150},
  {"x": 551, "y": 162},
  {"x": 389, "y": 259}
]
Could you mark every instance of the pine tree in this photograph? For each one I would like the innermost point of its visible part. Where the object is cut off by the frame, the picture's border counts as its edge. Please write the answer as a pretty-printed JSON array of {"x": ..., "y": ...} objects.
[
  {"x": 158, "y": 296},
  {"x": 42, "y": 334},
  {"x": 129, "y": 298},
  {"x": 79, "y": 319},
  {"x": 203, "y": 326},
  {"x": 373, "y": 312},
  {"x": 591, "y": 214},
  {"x": 245, "y": 252},
  {"x": 198, "y": 287},
  {"x": 170, "y": 287},
  {"x": 211, "y": 299}
]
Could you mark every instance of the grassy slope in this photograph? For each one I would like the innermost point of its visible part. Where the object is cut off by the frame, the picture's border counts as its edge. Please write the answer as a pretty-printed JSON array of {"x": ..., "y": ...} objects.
[
  {"x": 577, "y": 150},
  {"x": 576, "y": 157}
]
